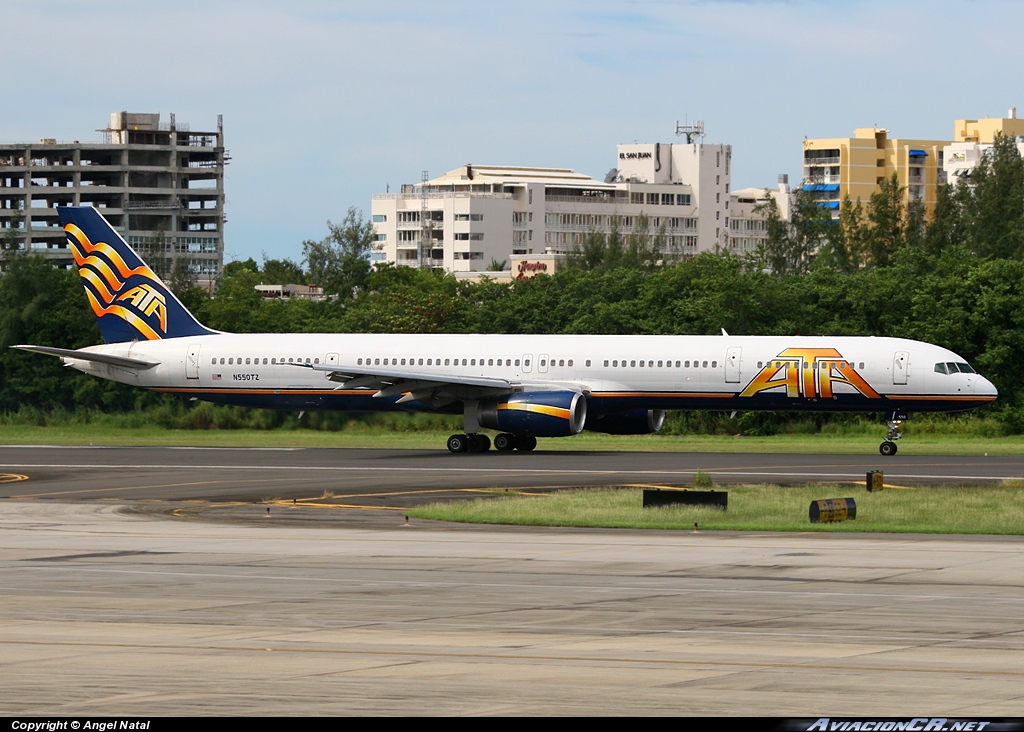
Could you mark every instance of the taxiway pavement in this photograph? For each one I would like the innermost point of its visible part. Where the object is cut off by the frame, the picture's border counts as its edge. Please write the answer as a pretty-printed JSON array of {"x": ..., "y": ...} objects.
[{"x": 111, "y": 607}]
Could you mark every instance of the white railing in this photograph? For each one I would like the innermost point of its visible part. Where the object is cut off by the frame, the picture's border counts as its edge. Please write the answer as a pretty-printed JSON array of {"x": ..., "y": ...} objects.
[
  {"x": 587, "y": 199},
  {"x": 445, "y": 194}
]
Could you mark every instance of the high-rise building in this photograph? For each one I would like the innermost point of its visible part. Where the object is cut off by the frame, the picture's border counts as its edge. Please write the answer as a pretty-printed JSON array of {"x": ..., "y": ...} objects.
[
  {"x": 974, "y": 137},
  {"x": 160, "y": 184},
  {"x": 472, "y": 216},
  {"x": 856, "y": 166}
]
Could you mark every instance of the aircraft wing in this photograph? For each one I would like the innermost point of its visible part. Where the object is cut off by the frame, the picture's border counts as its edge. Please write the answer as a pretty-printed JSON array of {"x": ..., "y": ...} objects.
[
  {"x": 414, "y": 386},
  {"x": 109, "y": 359}
]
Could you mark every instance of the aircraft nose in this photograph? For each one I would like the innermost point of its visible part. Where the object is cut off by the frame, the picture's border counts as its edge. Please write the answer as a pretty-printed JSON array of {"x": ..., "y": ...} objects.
[{"x": 984, "y": 387}]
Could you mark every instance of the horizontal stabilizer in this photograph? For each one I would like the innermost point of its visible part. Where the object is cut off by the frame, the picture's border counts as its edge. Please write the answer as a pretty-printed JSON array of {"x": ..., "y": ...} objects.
[{"x": 122, "y": 361}]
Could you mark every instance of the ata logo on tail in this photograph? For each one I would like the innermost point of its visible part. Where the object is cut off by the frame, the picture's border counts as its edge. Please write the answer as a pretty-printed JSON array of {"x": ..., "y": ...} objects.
[
  {"x": 808, "y": 373},
  {"x": 113, "y": 288}
]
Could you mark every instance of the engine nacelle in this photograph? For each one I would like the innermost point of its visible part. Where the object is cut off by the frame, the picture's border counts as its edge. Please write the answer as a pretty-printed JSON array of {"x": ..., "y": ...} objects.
[
  {"x": 537, "y": 413},
  {"x": 634, "y": 422}
]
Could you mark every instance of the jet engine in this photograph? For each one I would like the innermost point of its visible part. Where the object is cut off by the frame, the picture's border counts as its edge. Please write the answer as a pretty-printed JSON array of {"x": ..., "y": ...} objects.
[
  {"x": 634, "y": 422},
  {"x": 538, "y": 413}
]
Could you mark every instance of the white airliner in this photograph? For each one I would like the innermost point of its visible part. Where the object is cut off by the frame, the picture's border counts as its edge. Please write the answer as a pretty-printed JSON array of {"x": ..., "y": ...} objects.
[{"x": 524, "y": 386}]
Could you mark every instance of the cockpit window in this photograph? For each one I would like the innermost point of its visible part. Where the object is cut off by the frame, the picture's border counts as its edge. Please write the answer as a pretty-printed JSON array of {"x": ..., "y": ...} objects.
[{"x": 951, "y": 367}]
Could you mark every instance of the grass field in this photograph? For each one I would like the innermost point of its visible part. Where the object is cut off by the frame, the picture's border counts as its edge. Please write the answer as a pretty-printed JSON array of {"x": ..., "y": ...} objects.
[
  {"x": 952, "y": 510},
  {"x": 927, "y": 443}
]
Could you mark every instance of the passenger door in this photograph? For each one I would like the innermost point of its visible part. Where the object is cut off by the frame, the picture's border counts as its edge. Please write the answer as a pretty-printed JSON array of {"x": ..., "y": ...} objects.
[
  {"x": 900, "y": 367},
  {"x": 192, "y": 362},
  {"x": 732, "y": 365}
]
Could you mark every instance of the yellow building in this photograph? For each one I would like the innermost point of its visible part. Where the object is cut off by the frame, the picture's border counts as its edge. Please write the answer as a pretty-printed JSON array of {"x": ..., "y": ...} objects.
[
  {"x": 837, "y": 166},
  {"x": 984, "y": 131}
]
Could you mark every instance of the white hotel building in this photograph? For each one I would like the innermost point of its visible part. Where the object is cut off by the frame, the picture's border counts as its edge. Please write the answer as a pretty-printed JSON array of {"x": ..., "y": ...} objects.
[{"x": 476, "y": 214}]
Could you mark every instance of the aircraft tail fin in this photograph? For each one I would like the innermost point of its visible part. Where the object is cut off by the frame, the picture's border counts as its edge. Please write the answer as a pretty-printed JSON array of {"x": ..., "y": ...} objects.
[{"x": 129, "y": 300}]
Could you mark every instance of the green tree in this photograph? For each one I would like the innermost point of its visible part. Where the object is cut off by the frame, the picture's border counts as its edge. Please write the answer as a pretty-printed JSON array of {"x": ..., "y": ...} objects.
[
  {"x": 888, "y": 217},
  {"x": 995, "y": 202},
  {"x": 340, "y": 263},
  {"x": 238, "y": 306},
  {"x": 590, "y": 254},
  {"x": 790, "y": 247},
  {"x": 946, "y": 228},
  {"x": 281, "y": 272},
  {"x": 10, "y": 243},
  {"x": 847, "y": 240}
]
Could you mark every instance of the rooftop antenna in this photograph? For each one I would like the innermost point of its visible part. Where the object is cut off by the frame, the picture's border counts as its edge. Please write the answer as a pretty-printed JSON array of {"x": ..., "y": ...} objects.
[
  {"x": 426, "y": 225},
  {"x": 691, "y": 131}
]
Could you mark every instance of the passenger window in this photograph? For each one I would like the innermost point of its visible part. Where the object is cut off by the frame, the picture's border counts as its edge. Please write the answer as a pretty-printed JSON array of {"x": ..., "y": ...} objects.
[
  {"x": 213, "y": 362},
  {"x": 632, "y": 364},
  {"x": 705, "y": 364},
  {"x": 677, "y": 364},
  {"x": 561, "y": 362},
  {"x": 861, "y": 365},
  {"x": 316, "y": 360},
  {"x": 588, "y": 362},
  {"x": 615, "y": 364},
  {"x": 606, "y": 362},
  {"x": 714, "y": 364}
]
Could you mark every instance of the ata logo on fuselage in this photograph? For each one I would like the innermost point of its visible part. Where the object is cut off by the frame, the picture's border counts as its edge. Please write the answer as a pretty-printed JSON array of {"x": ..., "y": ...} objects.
[{"x": 808, "y": 373}]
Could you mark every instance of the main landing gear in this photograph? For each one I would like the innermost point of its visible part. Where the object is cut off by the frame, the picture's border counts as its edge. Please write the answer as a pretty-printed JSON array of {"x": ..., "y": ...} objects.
[
  {"x": 895, "y": 421},
  {"x": 473, "y": 441},
  {"x": 505, "y": 442}
]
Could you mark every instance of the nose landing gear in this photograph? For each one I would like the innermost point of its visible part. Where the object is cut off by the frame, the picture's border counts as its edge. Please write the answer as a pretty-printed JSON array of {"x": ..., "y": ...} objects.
[{"x": 895, "y": 421}]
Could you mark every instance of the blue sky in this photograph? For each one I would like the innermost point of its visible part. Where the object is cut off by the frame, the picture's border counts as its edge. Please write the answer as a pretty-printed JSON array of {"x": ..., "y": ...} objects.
[{"x": 326, "y": 103}]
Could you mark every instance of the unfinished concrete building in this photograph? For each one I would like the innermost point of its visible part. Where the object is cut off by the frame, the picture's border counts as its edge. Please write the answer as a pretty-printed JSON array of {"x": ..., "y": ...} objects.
[{"x": 161, "y": 185}]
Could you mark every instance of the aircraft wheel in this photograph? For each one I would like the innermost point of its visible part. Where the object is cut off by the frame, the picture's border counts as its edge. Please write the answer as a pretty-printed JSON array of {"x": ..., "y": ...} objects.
[
  {"x": 458, "y": 443},
  {"x": 505, "y": 442},
  {"x": 479, "y": 443},
  {"x": 887, "y": 448},
  {"x": 526, "y": 443}
]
